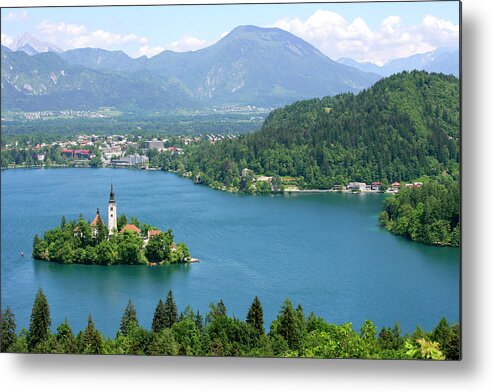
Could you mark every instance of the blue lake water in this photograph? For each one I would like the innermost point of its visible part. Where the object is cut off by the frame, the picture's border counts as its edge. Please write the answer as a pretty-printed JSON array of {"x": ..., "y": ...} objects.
[{"x": 325, "y": 251}]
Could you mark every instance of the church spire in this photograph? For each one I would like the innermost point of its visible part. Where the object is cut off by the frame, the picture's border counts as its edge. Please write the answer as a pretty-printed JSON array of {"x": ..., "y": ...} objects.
[
  {"x": 112, "y": 195},
  {"x": 112, "y": 217}
]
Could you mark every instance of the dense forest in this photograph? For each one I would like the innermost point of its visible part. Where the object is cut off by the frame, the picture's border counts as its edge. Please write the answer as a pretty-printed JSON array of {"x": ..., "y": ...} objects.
[
  {"x": 291, "y": 334},
  {"x": 428, "y": 214},
  {"x": 402, "y": 128},
  {"x": 80, "y": 242}
]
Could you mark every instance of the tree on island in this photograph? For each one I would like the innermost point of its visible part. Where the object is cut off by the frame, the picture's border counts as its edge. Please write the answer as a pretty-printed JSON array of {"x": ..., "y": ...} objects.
[
  {"x": 121, "y": 221},
  {"x": 84, "y": 243},
  {"x": 39, "y": 326},
  {"x": 158, "y": 248}
]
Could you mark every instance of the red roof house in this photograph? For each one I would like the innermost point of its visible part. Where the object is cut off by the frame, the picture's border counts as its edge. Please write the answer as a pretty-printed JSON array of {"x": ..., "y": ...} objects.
[{"x": 131, "y": 228}]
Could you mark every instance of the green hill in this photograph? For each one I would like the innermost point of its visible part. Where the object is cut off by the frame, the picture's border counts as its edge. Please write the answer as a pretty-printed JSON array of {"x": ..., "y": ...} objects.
[{"x": 402, "y": 128}]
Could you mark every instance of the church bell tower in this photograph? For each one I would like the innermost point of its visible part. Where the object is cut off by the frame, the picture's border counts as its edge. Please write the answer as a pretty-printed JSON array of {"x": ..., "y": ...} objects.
[{"x": 112, "y": 226}]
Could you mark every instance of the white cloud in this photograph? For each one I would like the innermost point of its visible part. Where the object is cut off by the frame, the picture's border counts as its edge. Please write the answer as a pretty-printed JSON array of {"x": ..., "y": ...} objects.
[
  {"x": 51, "y": 28},
  {"x": 7, "y": 40},
  {"x": 187, "y": 43},
  {"x": 105, "y": 39},
  {"x": 336, "y": 37},
  {"x": 72, "y": 36},
  {"x": 16, "y": 16},
  {"x": 148, "y": 51}
]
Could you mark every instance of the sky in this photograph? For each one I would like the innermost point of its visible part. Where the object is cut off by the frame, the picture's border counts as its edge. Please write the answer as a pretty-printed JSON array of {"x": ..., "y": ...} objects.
[{"x": 374, "y": 32}]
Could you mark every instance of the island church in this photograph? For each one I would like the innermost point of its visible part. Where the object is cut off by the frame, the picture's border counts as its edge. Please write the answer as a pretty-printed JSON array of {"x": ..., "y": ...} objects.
[
  {"x": 98, "y": 220},
  {"x": 112, "y": 221}
]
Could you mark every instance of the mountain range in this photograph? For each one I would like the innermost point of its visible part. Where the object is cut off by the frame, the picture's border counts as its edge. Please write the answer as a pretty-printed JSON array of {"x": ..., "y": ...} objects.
[
  {"x": 441, "y": 60},
  {"x": 250, "y": 66},
  {"x": 28, "y": 44}
]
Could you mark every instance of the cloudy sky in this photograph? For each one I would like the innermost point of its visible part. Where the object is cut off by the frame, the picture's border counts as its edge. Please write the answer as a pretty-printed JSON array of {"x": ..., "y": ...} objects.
[{"x": 375, "y": 32}]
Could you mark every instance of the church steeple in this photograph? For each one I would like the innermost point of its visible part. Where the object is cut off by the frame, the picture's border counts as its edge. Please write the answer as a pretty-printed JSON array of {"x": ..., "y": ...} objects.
[
  {"x": 112, "y": 222},
  {"x": 112, "y": 195}
]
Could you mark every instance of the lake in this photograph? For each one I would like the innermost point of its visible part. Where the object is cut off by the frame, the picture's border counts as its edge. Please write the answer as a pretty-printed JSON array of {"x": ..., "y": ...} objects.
[{"x": 325, "y": 251}]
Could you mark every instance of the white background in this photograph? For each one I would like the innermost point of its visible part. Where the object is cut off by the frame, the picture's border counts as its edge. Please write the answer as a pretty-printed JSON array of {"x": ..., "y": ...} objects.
[{"x": 82, "y": 373}]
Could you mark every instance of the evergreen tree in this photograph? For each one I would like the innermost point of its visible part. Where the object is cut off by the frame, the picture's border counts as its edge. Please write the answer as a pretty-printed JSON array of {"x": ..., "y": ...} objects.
[
  {"x": 121, "y": 221},
  {"x": 216, "y": 311},
  {"x": 452, "y": 349},
  {"x": 255, "y": 316},
  {"x": 288, "y": 327},
  {"x": 158, "y": 321},
  {"x": 199, "y": 321},
  {"x": 129, "y": 316},
  {"x": 65, "y": 338},
  {"x": 8, "y": 336},
  {"x": 92, "y": 340},
  {"x": 170, "y": 311},
  {"x": 221, "y": 308},
  {"x": 441, "y": 333},
  {"x": 63, "y": 222},
  {"x": 39, "y": 326}
]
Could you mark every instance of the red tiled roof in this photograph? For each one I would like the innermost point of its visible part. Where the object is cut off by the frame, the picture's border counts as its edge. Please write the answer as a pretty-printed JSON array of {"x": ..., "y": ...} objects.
[
  {"x": 96, "y": 219},
  {"x": 152, "y": 233},
  {"x": 130, "y": 227}
]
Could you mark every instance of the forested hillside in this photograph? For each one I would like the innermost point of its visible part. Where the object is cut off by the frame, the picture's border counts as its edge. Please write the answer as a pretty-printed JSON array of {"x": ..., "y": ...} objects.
[
  {"x": 403, "y": 127},
  {"x": 428, "y": 214}
]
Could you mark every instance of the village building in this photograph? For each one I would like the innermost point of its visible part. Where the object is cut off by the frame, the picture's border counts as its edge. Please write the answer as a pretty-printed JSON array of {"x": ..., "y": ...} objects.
[
  {"x": 356, "y": 186},
  {"x": 375, "y": 186},
  {"x": 154, "y": 144},
  {"x": 130, "y": 228},
  {"x": 152, "y": 233}
]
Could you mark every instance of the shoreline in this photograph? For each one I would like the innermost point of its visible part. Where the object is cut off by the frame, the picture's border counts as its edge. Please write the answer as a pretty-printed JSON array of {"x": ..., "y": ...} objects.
[{"x": 285, "y": 192}]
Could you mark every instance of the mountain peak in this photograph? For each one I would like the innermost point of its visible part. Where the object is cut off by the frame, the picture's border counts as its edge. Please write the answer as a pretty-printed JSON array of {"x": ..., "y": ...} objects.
[
  {"x": 29, "y": 44},
  {"x": 251, "y": 29}
]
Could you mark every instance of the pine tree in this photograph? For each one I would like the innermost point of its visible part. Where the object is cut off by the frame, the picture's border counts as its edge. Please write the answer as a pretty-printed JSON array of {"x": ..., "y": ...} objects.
[
  {"x": 170, "y": 311},
  {"x": 221, "y": 308},
  {"x": 93, "y": 342},
  {"x": 65, "y": 338},
  {"x": 39, "y": 326},
  {"x": 255, "y": 316},
  {"x": 441, "y": 334},
  {"x": 8, "y": 336},
  {"x": 452, "y": 350},
  {"x": 129, "y": 316},
  {"x": 158, "y": 321},
  {"x": 199, "y": 321},
  {"x": 288, "y": 324}
]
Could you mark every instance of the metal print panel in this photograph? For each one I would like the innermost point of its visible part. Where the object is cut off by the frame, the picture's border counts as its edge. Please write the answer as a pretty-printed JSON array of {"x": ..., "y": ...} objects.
[{"x": 261, "y": 180}]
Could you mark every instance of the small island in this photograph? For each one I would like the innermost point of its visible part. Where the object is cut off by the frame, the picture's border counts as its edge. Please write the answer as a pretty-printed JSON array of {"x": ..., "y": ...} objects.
[{"x": 119, "y": 242}]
